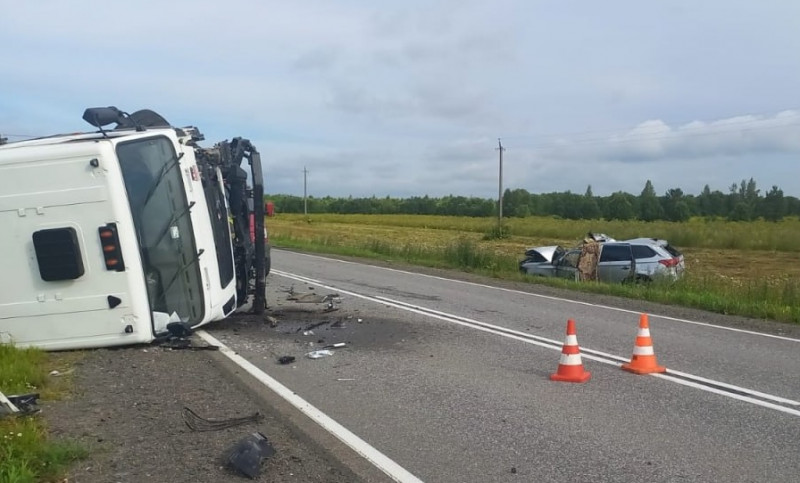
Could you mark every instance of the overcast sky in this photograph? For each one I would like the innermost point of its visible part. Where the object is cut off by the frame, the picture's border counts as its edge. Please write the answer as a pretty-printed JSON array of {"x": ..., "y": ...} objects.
[{"x": 405, "y": 98}]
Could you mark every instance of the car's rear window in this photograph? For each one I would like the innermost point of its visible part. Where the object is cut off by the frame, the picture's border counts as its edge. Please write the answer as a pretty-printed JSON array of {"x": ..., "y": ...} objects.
[
  {"x": 672, "y": 250},
  {"x": 641, "y": 251}
]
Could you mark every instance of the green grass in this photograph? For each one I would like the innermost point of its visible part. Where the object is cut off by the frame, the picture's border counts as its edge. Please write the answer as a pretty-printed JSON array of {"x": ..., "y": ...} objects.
[
  {"x": 26, "y": 453},
  {"x": 21, "y": 369},
  {"x": 765, "y": 298},
  {"x": 700, "y": 233}
]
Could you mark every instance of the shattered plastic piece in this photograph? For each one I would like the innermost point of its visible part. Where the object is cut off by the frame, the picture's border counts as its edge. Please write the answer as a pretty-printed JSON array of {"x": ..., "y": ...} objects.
[
  {"x": 246, "y": 455},
  {"x": 26, "y": 403},
  {"x": 335, "y": 346},
  {"x": 308, "y": 332},
  {"x": 319, "y": 354},
  {"x": 286, "y": 359}
]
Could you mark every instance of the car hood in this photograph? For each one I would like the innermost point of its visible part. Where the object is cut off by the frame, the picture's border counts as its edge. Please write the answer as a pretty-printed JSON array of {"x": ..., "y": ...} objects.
[{"x": 549, "y": 253}]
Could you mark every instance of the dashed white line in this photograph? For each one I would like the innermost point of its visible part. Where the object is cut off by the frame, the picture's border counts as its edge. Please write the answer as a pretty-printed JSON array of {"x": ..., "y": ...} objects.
[
  {"x": 741, "y": 393},
  {"x": 559, "y": 299}
]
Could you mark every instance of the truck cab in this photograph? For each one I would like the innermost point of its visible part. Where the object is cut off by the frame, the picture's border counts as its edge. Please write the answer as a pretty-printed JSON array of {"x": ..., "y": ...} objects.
[{"x": 109, "y": 236}]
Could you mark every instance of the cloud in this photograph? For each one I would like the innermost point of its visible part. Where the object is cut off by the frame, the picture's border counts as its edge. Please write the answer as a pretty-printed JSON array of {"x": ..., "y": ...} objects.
[
  {"x": 655, "y": 140},
  {"x": 409, "y": 97}
]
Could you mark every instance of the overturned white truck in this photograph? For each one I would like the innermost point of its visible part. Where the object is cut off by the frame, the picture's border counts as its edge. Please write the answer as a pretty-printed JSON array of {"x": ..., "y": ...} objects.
[{"x": 107, "y": 236}]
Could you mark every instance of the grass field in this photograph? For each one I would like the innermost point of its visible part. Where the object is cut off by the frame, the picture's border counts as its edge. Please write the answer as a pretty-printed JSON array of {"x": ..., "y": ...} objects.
[
  {"x": 737, "y": 268},
  {"x": 26, "y": 453}
]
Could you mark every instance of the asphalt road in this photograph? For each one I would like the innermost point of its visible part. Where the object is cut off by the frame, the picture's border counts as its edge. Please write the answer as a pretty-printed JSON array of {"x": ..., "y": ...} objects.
[{"x": 450, "y": 379}]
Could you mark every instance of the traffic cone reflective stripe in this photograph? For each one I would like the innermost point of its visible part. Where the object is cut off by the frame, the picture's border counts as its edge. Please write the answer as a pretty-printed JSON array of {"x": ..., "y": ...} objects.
[
  {"x": 644, "y": 357},
  {"x": 570, "y": 366},
  {"x": 643, "y": 351}
]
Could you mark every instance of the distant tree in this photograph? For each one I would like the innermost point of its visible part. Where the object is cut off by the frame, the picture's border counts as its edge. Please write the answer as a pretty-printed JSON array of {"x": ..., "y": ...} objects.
[
  {"x": 792, "y": 206},
  {"x": 741, "y": 212},
  {"x": 711, "y": 203},
  {"x": 516, "y": 203},
  {"x": 773, "y": 206},
  {"x": 742, "y": 200},
  {"x": 590, "y": 210},
  {"x": 572, "y": 204},
  {"x": 675, "y": 206},
  {"x": 649, "y": 207},
  {"x": 618, "y": 207}
]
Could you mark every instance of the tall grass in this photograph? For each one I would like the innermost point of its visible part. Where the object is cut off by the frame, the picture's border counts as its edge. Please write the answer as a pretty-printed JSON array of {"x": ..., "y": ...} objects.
[{"x": 698, "y": 233}]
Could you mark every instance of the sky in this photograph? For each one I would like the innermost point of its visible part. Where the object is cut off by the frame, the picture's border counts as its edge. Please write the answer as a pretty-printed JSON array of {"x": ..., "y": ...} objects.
[{"x": 408, "y": 98}]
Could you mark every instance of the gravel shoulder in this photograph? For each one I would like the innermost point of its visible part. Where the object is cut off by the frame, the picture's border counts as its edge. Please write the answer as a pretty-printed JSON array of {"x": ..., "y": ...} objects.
[{"x": 127, "y": 409}]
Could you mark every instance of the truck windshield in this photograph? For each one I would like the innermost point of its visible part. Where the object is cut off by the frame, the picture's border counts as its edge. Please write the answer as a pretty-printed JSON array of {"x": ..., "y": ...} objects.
[{"x": 163, "y": 226}]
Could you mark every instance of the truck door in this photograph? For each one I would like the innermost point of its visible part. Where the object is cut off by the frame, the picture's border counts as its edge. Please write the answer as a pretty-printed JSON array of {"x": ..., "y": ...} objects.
[{"x": 616, "y": 263}]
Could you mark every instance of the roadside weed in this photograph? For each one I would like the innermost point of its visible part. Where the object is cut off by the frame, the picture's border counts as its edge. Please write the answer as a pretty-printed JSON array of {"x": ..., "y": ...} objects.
[{"x": 26, "y": 454}]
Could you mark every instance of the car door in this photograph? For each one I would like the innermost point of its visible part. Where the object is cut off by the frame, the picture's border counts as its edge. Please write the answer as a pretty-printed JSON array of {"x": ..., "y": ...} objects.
[
  {"x": 567, "y": 266},
  {"x": 616, "y": 264}
]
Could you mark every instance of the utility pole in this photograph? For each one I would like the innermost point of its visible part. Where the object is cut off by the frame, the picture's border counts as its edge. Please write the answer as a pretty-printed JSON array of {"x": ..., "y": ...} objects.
[
  {"x": 500, "y": 149},
  {"x": 305, "y": 191}
]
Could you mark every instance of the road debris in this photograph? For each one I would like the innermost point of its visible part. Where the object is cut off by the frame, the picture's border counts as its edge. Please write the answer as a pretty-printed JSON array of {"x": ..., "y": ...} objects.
[
  {"x": 319, "y": 354},
  {"x": 246, "y": 455},
  {"x": 286, "y": 359},
  {"x": 7, "y": 406},
  {"x": 198, "y": 423},
  {"x": 335, "y": 346},
  {"x": 308, "y": 332}
]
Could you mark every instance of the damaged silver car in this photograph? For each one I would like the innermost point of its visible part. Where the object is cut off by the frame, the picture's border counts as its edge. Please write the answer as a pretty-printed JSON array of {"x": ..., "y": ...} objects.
[
  {"x": 616, "y": 263},
  {"x": 640, "y": 259}
]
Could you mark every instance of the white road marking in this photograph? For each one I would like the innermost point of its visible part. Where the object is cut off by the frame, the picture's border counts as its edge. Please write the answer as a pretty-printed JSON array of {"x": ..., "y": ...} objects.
[
  {"x": 381, "y": 461},
  {"x": 559, "y": 299},
  {"x": 590, "y": 354}
]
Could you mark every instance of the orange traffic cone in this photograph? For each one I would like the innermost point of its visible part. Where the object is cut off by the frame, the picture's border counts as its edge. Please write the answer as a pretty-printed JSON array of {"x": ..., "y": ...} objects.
[
  {"x": 644, "y": 358},
  {"x": 570, "y": 367}
]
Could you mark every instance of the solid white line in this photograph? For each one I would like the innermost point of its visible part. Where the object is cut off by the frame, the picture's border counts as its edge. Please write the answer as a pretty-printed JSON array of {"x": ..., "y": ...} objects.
[
  {"x": 740, "y": 397},
  {"x": 381, "y": 461},
  {"x": 558, "y": 299},
  {"x": 590, "y": 354}
]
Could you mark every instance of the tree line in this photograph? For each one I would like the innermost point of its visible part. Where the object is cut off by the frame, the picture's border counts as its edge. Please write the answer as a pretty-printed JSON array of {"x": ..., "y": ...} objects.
[{"x": 743, "y": 202}]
